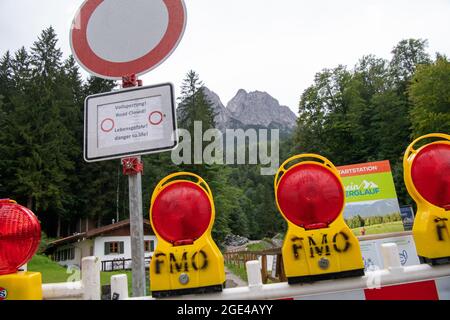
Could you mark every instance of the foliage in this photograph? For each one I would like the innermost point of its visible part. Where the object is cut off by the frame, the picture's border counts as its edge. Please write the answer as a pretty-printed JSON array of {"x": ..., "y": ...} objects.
[
  {"x": 42, "y": 134},
  {"x": 259, "y": 246},
  {"x": 430, "y": 95}
]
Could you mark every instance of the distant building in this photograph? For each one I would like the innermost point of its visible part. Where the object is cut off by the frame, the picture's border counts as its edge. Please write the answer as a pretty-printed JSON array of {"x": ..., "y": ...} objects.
[{"x": 111, "y": 244}]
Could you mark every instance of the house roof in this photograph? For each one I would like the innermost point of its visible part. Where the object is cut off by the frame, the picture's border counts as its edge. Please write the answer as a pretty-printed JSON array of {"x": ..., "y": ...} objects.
[{"x": 92, "y": 233}]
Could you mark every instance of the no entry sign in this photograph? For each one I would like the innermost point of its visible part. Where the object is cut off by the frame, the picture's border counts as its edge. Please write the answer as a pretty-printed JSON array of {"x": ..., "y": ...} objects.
[
  {"x": 116, "y": 38},
  {"x": 129, "y": 122}
]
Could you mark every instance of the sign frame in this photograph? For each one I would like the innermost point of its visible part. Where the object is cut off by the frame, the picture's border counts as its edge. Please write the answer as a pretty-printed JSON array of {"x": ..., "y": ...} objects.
[
  {"x": 115, "y": 70},
  {"x": 92, "y": 153}
]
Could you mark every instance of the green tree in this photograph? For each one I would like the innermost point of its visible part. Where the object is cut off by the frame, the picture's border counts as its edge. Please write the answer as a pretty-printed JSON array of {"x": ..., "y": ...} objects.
[
  {"x": 430, "y": 96},
  {"x": 36, "y": 144},
  {"x": 362, "y": 115},
  {"x": 407, "y": 55},
  {"x": 193, "y": 105}
]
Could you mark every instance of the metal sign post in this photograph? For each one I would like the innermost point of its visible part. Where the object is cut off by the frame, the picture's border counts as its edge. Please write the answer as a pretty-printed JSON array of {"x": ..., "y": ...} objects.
[
  {"x": 133, "y": 167},
  {"x": 137, "y": 235}
]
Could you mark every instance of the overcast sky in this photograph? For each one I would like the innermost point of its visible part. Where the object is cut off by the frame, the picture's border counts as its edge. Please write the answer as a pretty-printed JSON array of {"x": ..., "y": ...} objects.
[{"x": 269, "y": 45}]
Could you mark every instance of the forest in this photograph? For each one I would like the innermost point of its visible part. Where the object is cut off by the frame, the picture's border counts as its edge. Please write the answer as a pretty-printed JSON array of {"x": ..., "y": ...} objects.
[{"x": 367, "y": 112}]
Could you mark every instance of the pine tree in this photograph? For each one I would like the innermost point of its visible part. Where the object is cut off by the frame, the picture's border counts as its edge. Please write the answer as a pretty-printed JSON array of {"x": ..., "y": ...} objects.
[
  {"x": 6, "y": 83},
  {"x": 37, "y": 146}
]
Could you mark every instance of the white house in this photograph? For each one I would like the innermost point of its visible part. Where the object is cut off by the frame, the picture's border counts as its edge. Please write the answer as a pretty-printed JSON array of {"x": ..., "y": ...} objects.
[{"x": 112, "y": 244}]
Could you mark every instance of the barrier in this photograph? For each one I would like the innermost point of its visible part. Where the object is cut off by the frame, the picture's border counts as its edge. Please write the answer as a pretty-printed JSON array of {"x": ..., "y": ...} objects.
[
  {"x": 88, "y": 288},
  {"x": 419, "y": 281},
  {"x": 393, "y": 282}
]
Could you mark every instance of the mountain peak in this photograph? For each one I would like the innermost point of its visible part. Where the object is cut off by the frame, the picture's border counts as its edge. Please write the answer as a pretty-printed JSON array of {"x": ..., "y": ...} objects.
[
  {"x": 241, "y": 92},
  {"x": 261, "y": 109},
  {"x": 247, "y": 109}
]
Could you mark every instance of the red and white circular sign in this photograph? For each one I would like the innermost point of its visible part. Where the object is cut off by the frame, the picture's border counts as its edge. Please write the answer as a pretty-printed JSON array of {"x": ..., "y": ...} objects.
[{"x": 112, "y": 39}]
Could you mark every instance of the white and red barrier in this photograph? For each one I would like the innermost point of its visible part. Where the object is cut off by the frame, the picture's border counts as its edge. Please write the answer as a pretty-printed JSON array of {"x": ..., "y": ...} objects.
[{"x": 419, "y": 282}]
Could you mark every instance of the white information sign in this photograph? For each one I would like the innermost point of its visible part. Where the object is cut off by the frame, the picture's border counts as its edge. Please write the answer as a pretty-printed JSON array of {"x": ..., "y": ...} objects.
[
  {"x": 371, "y": 252},
  {"x": 130, "y": 122}
]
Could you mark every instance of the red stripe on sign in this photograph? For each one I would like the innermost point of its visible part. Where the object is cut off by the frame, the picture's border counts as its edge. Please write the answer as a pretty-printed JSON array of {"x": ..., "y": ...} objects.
[{"x": 425, "y": 290}]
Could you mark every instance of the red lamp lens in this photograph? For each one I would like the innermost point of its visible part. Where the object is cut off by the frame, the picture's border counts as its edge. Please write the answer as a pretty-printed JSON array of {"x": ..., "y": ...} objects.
[
  {"x": 430, "y": 173},
  {"x": 20, "y": 234},
  {"x": 310, "y": 196},
  {"x": 181, "y": 212}
]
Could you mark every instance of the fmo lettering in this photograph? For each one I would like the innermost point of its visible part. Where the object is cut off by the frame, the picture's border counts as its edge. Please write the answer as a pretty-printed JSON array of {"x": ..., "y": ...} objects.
[
  {"x": 185, "y": 262},
  {"x": 442, "y": 229},
  {"x": 321, "y": 246}
]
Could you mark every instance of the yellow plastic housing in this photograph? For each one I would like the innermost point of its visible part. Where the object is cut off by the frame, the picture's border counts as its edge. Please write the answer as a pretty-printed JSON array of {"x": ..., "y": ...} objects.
[
  {"x": 431, "y": 225},
  {"x": 319, "y": 254},
  {"x": 185, "y": 269},
  {"x": 21, "y": 286}
]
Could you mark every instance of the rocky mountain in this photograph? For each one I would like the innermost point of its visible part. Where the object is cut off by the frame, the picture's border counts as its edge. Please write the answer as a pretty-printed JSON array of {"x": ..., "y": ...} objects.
[
  {"x": 224, "y": 118},
  {"x": 251, "y": 109}
]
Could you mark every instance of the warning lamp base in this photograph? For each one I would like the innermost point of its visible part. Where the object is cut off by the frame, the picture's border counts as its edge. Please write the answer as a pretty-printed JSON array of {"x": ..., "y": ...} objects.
[
  {"x": 21, "y": 286},
  {"x": 182, "y": 292},
  {"x": 434, "y": 261},
  {"x": 327, "y": 276}
]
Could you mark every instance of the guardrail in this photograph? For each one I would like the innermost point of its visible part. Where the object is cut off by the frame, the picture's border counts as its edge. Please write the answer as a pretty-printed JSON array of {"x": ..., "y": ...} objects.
[
  {"x": 350, "y": 288},
  {"x": 392, "y": 274},
  {"x": 88, "y": 288}
]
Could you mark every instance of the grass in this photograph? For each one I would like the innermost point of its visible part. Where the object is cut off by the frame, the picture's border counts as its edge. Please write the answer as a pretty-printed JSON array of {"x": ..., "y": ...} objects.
[
  {"x": 259, "y": 246},
  {"x": 50, "y": 270},
  {"x": 239, "y": 271},
  {"x": 396, "y": 226},
  {"x": 54, "y": 273}
]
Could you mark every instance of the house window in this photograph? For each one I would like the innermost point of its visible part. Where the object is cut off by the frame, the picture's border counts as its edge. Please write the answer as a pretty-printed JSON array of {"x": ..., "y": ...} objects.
[
  {"x": 149, "y": 245},
  {"x": 65, "y": 254},
  {"x": 114, "y": 247}
]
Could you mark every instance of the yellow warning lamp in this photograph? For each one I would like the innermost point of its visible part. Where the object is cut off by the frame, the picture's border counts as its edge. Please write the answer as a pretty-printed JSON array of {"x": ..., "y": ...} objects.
[
  {"x": 20, "y": 234},
  {"x": 427, "y": 178},
  {"x": 186, "y": 259},
  {"x": 318, "y": 244}
]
